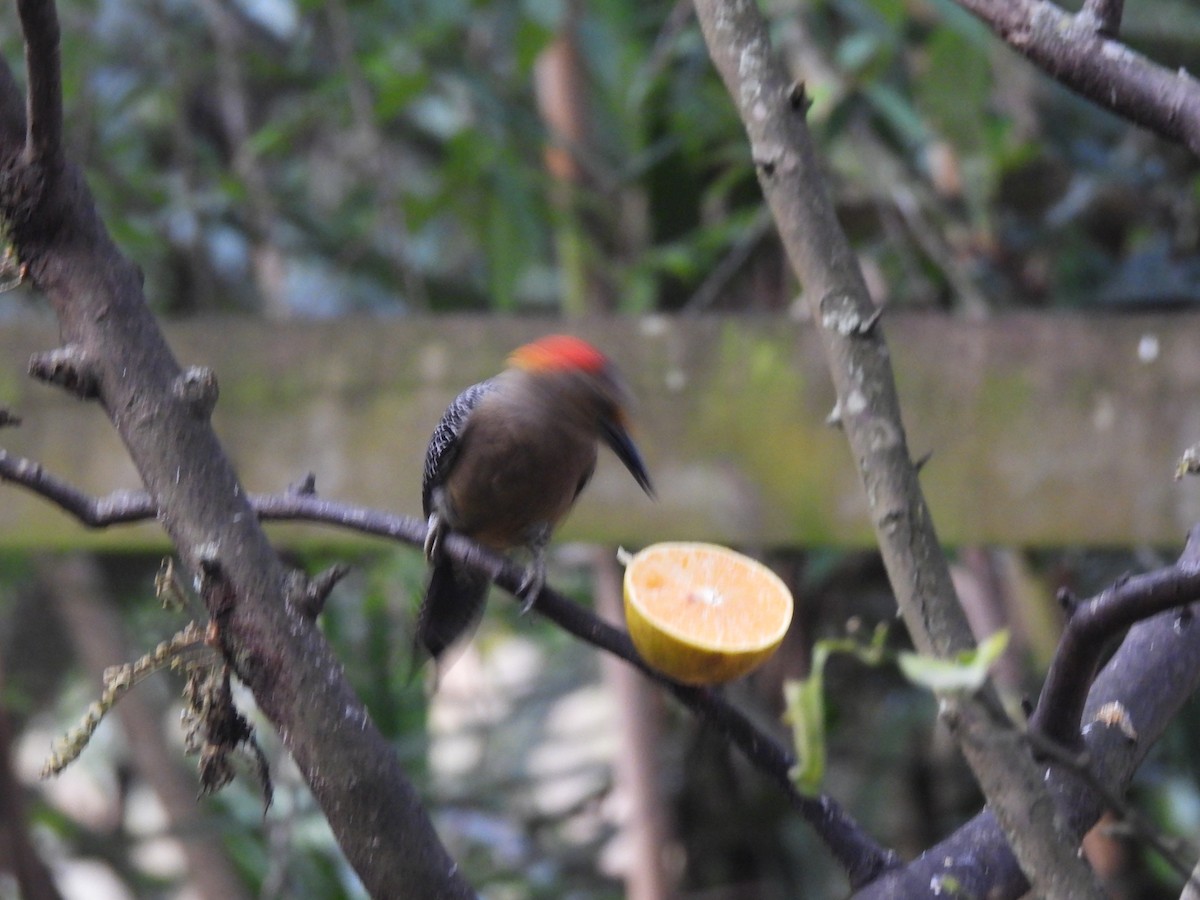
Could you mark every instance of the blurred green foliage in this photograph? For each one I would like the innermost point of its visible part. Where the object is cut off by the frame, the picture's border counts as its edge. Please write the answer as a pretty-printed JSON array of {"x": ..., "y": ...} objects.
[{"x": 392, "y": 155}]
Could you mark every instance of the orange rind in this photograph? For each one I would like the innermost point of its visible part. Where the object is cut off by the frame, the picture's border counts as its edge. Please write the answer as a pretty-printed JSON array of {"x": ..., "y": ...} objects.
[{"x": 704, "y": 614}]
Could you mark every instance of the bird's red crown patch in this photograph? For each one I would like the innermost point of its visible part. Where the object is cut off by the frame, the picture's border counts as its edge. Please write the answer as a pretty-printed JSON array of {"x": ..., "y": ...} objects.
[{"x": 559, "y": 351}]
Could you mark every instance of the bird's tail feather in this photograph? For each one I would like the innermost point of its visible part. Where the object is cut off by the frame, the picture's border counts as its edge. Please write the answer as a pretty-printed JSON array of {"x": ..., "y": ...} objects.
[{"x": 453, "y": 605}]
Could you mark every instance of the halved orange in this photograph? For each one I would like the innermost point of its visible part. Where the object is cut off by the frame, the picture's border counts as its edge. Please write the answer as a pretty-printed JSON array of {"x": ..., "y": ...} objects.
[{"x": 703, "y": 614}]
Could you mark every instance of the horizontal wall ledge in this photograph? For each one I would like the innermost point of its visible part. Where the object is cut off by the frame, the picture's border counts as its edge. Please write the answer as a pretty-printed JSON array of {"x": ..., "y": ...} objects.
[{"x": 1040, "y": 429}]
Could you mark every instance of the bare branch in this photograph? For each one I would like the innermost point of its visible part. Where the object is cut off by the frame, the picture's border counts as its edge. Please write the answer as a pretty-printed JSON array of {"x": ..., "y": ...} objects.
[
  {"x": 94, "y": 512},
  {"x": 861, "y": 856},
  {"x": 96, "y": 294},
  {"x": 772, "y": 111},
  {"x": 1092, "y": 626},
  {"x": 310, "y": 594},
  {"x": 304, "y": 487},
  {"x": 1074, "y": 50},
  {"x": 197, "y": 387},
  {"x": 70, "y": 368},
  {"x": 793, "y": 183},
  {"x": 1171, "y": 851},
  {"x": 1152, "y": 694},
  {"x": 39, "y": 22}
]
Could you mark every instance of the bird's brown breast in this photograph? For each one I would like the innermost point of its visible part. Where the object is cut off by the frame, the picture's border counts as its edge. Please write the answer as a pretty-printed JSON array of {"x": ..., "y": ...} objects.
[{"x": 517, "y": 477}]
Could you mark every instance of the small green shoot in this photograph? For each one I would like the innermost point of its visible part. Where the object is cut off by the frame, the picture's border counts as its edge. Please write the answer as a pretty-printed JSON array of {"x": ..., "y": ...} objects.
[
  {"x": 966, "y": 673},
  {"x": 804, "y": 698},
  {"x": 805, "y": 705}
]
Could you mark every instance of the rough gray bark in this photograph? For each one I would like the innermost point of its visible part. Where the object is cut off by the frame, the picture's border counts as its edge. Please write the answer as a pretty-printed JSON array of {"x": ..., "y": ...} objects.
[
  {"x": 113, "y": 352},
  {"x": 1079, "y": 51},
  {"x": 772, "y": 109}
]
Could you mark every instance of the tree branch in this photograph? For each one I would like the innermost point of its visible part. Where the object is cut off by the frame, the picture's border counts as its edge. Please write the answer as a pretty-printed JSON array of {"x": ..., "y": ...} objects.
[
  {"x": 94, "y": 512},
  {"x": 39, "y": 23},
  {"x": 1151, "y": 675},
  {"x": 1092, "y": 626},
  {"x": 1074, "y": 50},
  {"x": 772, "y": 110},
  {"x": 1140, "y": 826},
  {"x": 373, "y": 810},
  {"x": 856, "y": 851}
]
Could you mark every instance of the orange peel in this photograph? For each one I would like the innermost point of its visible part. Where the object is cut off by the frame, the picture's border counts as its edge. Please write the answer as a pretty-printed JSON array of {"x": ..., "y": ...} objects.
[{"x": 702, "y": 613}]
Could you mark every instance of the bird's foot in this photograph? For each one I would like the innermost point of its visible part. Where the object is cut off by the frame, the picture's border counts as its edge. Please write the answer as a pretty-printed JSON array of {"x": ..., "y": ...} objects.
[
  {"x": 435, "y": 530},
  {"x": 535, "y": 576},
  {"x": 531, "y": 585}
]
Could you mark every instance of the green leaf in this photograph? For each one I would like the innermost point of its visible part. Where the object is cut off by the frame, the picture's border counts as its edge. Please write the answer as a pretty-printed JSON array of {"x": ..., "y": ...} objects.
[
  {"x": 899, "y": 114},
  {"x": 274, "y": 137},
  {"x": 857, "y": 51},
  {"x": 394, "y": 92},
  {"x": 955, "y": 92},
  {"x": 503, "y": 253},
  {"x": 966, "y": 673},
  {"x": 532, "y": 37},
  {"x": 804, "y": 701},
  {"x": 892, "y": 12}
]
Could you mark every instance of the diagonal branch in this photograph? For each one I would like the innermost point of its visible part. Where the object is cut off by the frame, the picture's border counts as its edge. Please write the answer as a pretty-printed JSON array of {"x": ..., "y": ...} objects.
[
  {"x": 96, "y": 293},
  {"x": 1075, "y": 50},
  {"x": 1094, "y": 624},
  {"x": 858, "y": 853},
  {"x": 772, "y": 110},
  {"x": 1172, "y": 852},
  {"x": 1154, "y": 671},
  {"x": 1152, "y": 674}
]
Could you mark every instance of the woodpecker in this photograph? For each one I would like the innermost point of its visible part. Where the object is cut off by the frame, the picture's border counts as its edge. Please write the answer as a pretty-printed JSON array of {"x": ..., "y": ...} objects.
[{"x": 505, "y": 465}]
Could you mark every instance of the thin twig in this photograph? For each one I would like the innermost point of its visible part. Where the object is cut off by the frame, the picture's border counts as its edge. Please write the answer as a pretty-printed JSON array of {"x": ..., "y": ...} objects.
[
  {"x": 724, "y": 271},
  {"x": 117, "y": 508}
]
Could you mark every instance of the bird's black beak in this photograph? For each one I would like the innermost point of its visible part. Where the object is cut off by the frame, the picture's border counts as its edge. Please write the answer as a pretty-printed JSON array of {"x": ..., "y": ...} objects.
[{"x": 622, "y": 444}]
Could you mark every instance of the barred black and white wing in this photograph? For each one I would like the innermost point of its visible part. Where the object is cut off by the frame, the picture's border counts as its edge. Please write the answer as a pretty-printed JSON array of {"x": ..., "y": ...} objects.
[{"x": 444, "y": 445}]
